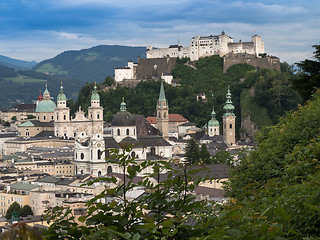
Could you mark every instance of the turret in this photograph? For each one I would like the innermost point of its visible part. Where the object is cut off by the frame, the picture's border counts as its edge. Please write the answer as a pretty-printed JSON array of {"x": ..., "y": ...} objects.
[
  {"x": 213, "y": 125},
  {"x": 61, "y": 99}
]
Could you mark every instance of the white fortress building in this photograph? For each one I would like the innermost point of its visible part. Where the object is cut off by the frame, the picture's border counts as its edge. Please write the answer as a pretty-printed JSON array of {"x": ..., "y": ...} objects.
[{"x": 203, "y": 46}]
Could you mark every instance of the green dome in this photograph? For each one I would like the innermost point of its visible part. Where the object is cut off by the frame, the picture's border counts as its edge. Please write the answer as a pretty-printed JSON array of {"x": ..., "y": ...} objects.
[
  {"x": 213, "y": 121},
  {"x": 95, "y": 95},
  {"x": 46, "y": 106},
  {"x": 61, "y": 96}
]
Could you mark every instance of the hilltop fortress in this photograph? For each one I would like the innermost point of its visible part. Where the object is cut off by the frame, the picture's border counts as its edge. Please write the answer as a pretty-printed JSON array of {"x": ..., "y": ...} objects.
[
  {"x": 160, "y": 62},
  {"x": 201, "y": 46}
]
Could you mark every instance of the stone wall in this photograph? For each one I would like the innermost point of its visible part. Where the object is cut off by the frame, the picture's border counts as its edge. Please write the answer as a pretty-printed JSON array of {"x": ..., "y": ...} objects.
[
  {"x": 155, "y": 67},
  {"x": 269, "y": 62}
]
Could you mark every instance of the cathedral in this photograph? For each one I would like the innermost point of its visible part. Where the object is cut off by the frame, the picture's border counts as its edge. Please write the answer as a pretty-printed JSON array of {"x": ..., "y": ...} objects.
[{"x": 91, "y": 149}]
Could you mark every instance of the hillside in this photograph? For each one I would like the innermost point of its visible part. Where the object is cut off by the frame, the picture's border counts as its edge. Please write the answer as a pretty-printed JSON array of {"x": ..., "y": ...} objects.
[
  {"x": 89, "y": 65},
  {"x": 24, "y": 85},
  {"x": 16, "y": 64},
  {"x": 273, "y": 95}
]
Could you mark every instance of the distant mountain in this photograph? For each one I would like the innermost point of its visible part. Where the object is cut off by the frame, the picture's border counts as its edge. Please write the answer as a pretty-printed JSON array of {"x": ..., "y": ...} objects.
[
  {"x": 16, "y": 64},
  {"x": 92, "y": 64}
]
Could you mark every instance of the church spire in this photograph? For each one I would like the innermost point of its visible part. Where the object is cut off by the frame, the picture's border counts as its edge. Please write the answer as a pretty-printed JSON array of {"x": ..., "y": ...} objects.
[
  {"x": 228, "y": 107},
  {"x": 61, "y": 96},
  {"x": 162, "y": 96}
]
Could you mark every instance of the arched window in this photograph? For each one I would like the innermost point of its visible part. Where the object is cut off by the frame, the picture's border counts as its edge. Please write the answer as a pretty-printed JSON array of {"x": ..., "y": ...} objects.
[
  {"x": 99, "y": 154},
  {"x": 133, "y": 154},
  {"x": 159, "y": 115},
  {"x": 76, "y": 156},
  {"x": 109, "y": 169},
  {"x": 99, "y": 173},
  {"x": 64, "y": 117},
  {"x": 52, "y": 117},
  {"x": 98, "y": 116},
  {"x": 127, "y": 131},
  {"x": 164, "y": 115},
  {"x": 82, "y": 156},
  {"x": 44, "y": 117},
  {"x": 230, "y": 126},
  {"x": 57, "y": 117},
  {"x": 81, "y": 171},
  {"x": 118, "y": 132}
]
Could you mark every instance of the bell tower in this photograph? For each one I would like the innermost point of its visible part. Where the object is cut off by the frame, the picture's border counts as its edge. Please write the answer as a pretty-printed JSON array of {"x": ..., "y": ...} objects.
[
  {"x": 95, "y": 111},
  {"x": 163, "y": 114},
  {"x": 229, "y": 120},
  {"x": 62, "y": 116}
]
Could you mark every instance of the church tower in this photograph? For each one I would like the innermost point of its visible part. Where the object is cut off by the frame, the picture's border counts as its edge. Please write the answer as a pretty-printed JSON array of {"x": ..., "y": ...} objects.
[
  {"x": 62, "y": 116},
  {"x": 163, "y": 114},
  {"x": 95, "y": 111},
  {"x": 229, "y": 120},
  {"x": 213, "y": 125}
]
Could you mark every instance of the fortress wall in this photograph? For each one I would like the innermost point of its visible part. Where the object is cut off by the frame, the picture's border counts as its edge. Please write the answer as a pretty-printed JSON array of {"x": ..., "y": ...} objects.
[
  {"x": 155, "y": 67},
  {"x": 268, "y": 62}
]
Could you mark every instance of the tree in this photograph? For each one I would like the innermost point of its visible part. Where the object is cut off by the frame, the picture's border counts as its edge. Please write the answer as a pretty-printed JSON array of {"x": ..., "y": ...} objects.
[
  {"x": 192, "y": 151},
  {"x": 26, "y": 211},
  {"x": 309, "y": 76},
  {"x": 13, "y": 207},
  {"x": 222, "y": 157},
  {"x": 30, "y": 116},
  {"x": 108, "y": 81},
  {"x": 204, "y": 154},
  {"x": 163, "y": 212},
  {"x": 14, "y": 118}
]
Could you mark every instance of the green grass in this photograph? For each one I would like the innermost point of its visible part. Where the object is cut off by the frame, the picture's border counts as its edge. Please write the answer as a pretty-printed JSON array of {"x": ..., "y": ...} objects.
[
  {"x": 23, "y": 79},
  {"x": 49, "y": 68},
  {"x": 259, "y": 115}
]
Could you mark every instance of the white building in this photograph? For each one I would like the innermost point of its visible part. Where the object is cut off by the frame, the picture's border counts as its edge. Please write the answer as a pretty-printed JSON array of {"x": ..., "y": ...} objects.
[
  {"x": 127, "y": 72},
  {"x": 203, "y": 46}
]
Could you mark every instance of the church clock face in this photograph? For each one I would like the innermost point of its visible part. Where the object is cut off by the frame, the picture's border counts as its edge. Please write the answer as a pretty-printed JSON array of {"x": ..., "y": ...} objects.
[{"x": 98, "y": 145}]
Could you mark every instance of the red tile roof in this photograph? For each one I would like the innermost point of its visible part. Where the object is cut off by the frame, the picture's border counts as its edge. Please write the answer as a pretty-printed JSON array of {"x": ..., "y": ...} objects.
[{"x": 172, "y": 118}]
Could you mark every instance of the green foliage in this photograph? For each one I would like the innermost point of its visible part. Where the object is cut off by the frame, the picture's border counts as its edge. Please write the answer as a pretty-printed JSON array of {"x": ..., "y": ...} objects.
[
  {"x": 21, "y": 231},
  {"x": 93, "y": 64},
  {"x": 308, "y": 79},
  {"x": 222, "y": 157},
  {"x": 163, "y": 212},
  {"x": 280, "y": 179},
  {"x": 204, "y": 154},
  {"x": 108, "y": 81},
  {"x": 22, "y": 212},
  {"x": 14, "y": 118},
  {"x": 26, "y": 211},
  {"x": 13, "y": 207},
  {"x": 193, "y": 154}
]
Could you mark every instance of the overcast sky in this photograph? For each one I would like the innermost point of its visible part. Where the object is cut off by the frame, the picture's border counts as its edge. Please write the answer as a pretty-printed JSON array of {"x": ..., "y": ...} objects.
[{"x": 41, "y": 29}]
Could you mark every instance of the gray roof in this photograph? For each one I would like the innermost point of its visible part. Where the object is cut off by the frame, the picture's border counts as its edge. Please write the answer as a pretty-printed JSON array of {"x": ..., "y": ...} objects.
[
  {"x": 48, "y": 179},
  {"x": 23, "y": 186}
]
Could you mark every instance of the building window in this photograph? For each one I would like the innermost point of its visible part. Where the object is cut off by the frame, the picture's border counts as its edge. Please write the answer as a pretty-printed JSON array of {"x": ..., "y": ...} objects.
[
  {"x": 99, "y": 154},
  {"x": 64, "y": 117},
  {"x": 98, "y": 116},
  {"x": 230, "y": 126},
  {"x": 127, "y": 131},
  {"x": 82, "y": 156},
  {"x": 118, "y": 132},
  {"x": 44, "y": 117}
]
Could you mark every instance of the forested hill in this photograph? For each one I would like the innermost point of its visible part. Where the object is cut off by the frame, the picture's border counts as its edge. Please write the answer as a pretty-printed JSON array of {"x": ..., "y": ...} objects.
[
  {"x": 261, "y": 96},
  {"x": 93, "y": 64},
  {"x": 15, "y": 63}
]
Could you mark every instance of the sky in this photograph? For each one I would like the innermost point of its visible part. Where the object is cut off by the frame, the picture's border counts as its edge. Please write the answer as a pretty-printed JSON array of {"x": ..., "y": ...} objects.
[{"x": 41, "y": 29}]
